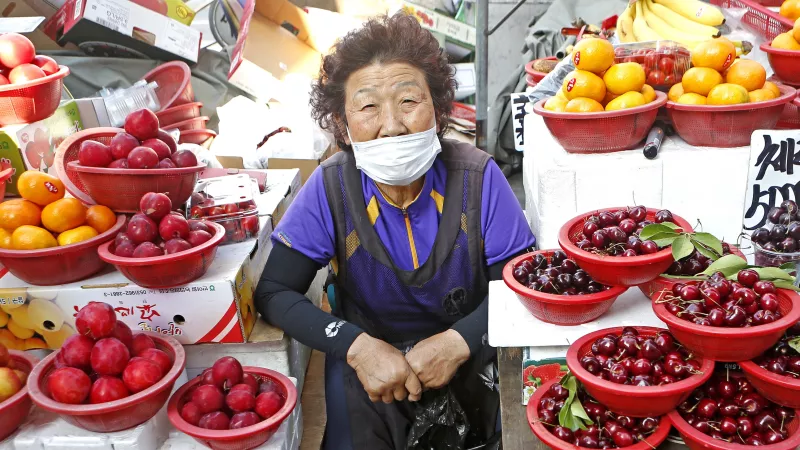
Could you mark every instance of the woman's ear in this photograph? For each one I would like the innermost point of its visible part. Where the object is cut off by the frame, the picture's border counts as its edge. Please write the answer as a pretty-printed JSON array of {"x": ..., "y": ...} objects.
[{"x": 342, "y": 127}]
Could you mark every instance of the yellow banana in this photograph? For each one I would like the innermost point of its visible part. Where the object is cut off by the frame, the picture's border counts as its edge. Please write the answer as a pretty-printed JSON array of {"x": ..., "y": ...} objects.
[
  {"x": 641, "y": 30},
  {"x": 625, "y": 24},
  {"x": 696, "y": 10},
  {"x": 681, "y": 23},
  {"x": 664, "y": 29}
]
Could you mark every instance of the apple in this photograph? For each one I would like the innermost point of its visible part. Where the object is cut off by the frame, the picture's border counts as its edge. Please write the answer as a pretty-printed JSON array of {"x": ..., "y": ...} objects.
[
  {"x": 142, "y": 124},
  {"x": 15, "y": 49},
  {"x": 69, "y": 385},
  {"x": 48, "y": 65}
]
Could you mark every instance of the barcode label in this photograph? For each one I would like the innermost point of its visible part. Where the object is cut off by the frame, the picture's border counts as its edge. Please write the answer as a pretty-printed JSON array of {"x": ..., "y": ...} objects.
[{"x": 107, "y": 24}]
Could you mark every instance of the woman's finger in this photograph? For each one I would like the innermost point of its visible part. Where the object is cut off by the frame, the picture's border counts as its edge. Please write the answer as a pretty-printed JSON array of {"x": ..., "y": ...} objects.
[
  {"x": 387, "y": 397},
  {"x": 400, "y": 393}
]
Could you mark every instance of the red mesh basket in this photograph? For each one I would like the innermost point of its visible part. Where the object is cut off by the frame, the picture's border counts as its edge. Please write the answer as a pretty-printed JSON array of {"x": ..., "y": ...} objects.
[
  {"x": 5, "y": 175},
  {"x": 174, "y": 83},
  {"x": 242, "y": 438},
  {"x": 776, "y": 388},
  {"x": 15, "y": 409},
  {"x": 534, "y": 76},
  {"x": 117, "y": 415},
  {"x": 119, "y": 189},
  {"x": 696, "y": 440},
  {"x": 559, "y": 309},
  {"x": 727, "y": 125},
  {"x": 790, "y": 117},
  {"x": 785, "y": 63},
  {"x": 731, "y": 344},
  {"x": 178, "y": 113},
  {"x": 757, "y": 18},
  {"x": 62, "y": 264},
  {"x": 616, "y": 270},
  {"x": 601, "y": 132},
  {"x": 540, "y": 430},
  {"x": 31, "y": 101},
  {"x": 162, "y": 272},
  {"x": 198, "y": 137},
  {"x": 198, "y": 123},
  {"x": 635, "y": 401}
]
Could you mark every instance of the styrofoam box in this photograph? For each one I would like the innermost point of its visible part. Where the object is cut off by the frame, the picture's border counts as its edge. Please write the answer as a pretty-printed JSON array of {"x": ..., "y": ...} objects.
[{"x": 700, "y": 184}]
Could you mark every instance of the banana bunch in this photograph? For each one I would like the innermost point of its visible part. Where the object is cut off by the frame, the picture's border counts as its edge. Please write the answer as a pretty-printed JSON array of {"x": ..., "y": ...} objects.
[{"x": 687, "y": 22}]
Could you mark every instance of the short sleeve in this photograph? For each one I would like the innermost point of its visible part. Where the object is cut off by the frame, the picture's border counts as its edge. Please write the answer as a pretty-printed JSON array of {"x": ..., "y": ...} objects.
[
  {"x": 307, "y": 225},
  {"x": 505, "y": 230}
]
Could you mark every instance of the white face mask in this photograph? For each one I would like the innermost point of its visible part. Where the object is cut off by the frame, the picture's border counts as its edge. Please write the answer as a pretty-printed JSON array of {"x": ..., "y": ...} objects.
[{"x": 397, "y": 160}]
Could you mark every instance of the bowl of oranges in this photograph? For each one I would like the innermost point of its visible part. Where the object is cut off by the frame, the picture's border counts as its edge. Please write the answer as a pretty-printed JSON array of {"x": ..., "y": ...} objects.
[
  {"x": 602, "y": 106},
  {"x": 721, "y": 100},
  {"x": 784, "y": 55},
  {"x": 47, "y": 239}
]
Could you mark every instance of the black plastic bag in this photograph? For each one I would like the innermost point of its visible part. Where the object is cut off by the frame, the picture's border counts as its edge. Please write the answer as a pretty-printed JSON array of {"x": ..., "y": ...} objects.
[{"x": 439, "y": 422}]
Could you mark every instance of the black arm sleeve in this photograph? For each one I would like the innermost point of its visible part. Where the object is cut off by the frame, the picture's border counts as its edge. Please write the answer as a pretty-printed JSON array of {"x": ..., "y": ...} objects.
[
  {"x": 279, "y": 300},
  {"x": 474, "y": 326}
]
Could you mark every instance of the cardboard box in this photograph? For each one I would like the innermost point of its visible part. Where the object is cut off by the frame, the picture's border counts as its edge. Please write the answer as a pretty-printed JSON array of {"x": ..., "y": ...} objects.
[
  {"x": 174, "y": 9},
  {"x": 20, "y": 9},
  {"x": 451, "y": 28},
  {"x": 93, "y": 112},
  {"x": 33, "y": 146},
  {"x": 120, "y": 28},
  {"x": 218, "y": 307},
  {"x": 306, "y": 166}
]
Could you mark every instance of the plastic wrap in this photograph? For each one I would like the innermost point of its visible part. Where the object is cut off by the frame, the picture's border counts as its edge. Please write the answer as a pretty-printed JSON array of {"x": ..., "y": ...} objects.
[
  {"x": 551, "y": 83},
  {"x": 737, "y": 31}
]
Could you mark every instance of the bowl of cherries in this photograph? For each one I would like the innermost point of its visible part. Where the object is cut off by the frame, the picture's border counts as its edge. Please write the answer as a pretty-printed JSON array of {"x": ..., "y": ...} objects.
[
  {"x": 728, "y": 414},
  {"x": 726, "y": 320},
  {"x": 607, "y": 246},
  {"x": 555, "y": 290},
  {"x": 780, "y": 243},
  {"x": 607, "y": 430},
  {"x": 776, "y": 373},
  {"x": 636, "y": 371}
]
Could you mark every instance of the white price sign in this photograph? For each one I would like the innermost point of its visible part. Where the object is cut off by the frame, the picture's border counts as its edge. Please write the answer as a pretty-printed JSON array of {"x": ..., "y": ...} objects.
[{"x": 774, "y": 174}]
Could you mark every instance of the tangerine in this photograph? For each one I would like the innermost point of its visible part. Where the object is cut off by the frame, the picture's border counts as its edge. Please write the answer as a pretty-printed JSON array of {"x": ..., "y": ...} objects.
[
  {"x": 796, "y": 30},
  {"x": 772, "y": 87},
  {"x": 556, "y": 104},
  {"x": 692, "y": 99},
  {"x": 700, "y": 80},
  {"x": 76, "y": 235},
  {"x": 649, "y": 93},
  {"x": 101, "y": 218},
  {"x": 5, "y": 239},
  {"x": 28, "y": 237},
  {"x": 760, "y": 95},
  {"x": 717, "y": 54},
  {"x": 625, "y": 77},
  {"x": 626, "y": 101},
  {"x": 583, "y": 84},
  {"x": 39, "y": 187},
  {"x": 63, "y": 215},
  {"x": 791, "y": 9},
  {"x": 18, "y": 212},
  {"x": 747, "y": 73},
  {"x": 728, "y": 94},
  {"x": 593, "y": 55},
  {"x": 675, "y": 92},
  {"x": 583, "y": 105},
  {"x": 786, "y": 41}
]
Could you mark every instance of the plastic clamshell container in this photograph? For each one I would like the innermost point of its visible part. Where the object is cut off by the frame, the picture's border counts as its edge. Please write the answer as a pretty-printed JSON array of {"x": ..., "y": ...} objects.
[
  {"x": 33, "y": 100},
  {"x": 117, "y": 415},
  {"x": 233, "y": 193},
  {"x": 664, "y": 62},
  {"x": 15, "y": 409}
]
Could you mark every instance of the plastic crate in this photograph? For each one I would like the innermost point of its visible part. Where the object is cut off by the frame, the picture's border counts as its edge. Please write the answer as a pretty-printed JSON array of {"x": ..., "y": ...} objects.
[{"x": 758, "y": 18}]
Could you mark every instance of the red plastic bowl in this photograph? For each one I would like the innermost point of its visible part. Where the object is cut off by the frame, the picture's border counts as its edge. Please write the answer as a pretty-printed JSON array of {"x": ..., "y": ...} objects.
[
  {"x": 785, "y": 63},
  {"x": 790, "y": 117},
  {"x": 242, "y": 438},
  {"x": 198, "y": 137},
  {"x": 601, "y": 132},
  {"x": 31, "y": 101},
  {"x": 198, "y": 123},
  {"x": 696, "y": 440},
  {"x": 776, "y": 388},
  {"x": 162, "y": 272},
  {"x": 174, "y": 83},
  {"x": 117, "y": 415},
  {"x": 119, "y": 189},
  {"x": 534, "y": 76},
  {"x": 532, "y": 411},
  {"x": 727, "y": 125},
  {"x": 559, "y": 309},
  {"x": 178, "y": 113},
  {"x": 5, "y": 175},
  {"x": 59, "y": 265},
  {"x": 616, "y": 270},
  {"x": 15, "y": 409},
  {"x": 731, "y": 344},
  {"x": 635, "y": 401}
]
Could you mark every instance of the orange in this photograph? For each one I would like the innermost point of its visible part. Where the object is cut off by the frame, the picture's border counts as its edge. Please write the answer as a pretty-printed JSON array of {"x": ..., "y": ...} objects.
[
  {"x": 717, "y": 54},
  {"x": 625, "y": 77},
  {"x": 5, "y": 238},
  {"x": 692, "y": 99},
  {"x": 583, "y": 105},
  {"x": 63, "y": 215},
  {"x": 609, "y": 97},
  {"x": 649, "y": 93},
  {"x": 580, "y": 83},
  {"x": 76, "y": 235},
  {"x": 728, "y": 94},
  {"x": 760, "y": 95},
  {"x": 675, "y": 92},
  {"x": 556, "y": 104},
  {"x": 626, "y": 101},
  {"x": 700, "y": 80},
  {"x": 101, "y": 218},
  {"x": 772, "y": 87},
  {"x": 786, "y": 41},
  {"x": 796, "y": 30},
  {"x": 791, "y": 9},
  {"x": 29, "y": 237},
  {"x": 747, "y": 73},
  {"x": 18, "y": 212},
  {"x": 39, "y": 187},
  {"x": 593, "y": 55}
]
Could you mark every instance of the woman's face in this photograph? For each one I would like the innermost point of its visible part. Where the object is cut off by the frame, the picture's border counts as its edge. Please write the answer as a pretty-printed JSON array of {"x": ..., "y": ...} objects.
[{"x": 384, "y": 100}]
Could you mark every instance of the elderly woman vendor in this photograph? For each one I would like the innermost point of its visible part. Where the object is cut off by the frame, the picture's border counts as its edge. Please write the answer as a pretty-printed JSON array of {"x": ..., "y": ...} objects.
[{"x": 414, "y": 227}]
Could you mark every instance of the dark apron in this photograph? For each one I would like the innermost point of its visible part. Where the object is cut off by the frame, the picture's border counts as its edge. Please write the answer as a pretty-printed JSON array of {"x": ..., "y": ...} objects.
[{"x": 404, "y": 307}]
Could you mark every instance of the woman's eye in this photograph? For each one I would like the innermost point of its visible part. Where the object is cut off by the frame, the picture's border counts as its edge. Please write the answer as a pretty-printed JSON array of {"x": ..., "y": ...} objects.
[
  {"x": 408, "y": 100},
  {"x": 367, "y": 107}
]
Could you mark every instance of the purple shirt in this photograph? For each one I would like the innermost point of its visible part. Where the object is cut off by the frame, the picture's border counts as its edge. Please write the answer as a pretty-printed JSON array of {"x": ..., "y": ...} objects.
[{"x": 308, "y": 224}]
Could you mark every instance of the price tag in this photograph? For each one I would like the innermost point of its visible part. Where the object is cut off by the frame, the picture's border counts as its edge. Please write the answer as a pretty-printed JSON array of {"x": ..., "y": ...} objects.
[
  {"x": 19, "y": 24},
  {"x": 774, "y": 174},
  {"x": 520, "y": 104}
]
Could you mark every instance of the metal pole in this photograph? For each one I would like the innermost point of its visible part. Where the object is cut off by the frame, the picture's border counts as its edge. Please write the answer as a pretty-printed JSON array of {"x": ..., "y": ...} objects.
[{"x": 482, "y": 68}]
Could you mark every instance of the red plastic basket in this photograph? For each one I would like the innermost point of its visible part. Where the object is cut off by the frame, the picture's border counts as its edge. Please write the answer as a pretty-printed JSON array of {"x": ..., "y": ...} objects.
[
  {"x": 532, "y": 412},
  {"x": 696, "y": 440},
  {"x": 15, "y": 409},
  {"x": 790, "y": 117},
  {"x": 534, "y": 76},
  {"x": 776, "y": 388},
  {"x": 731, "y": 344},
  {"x": 616, "y": 270},
  {"x": 174, "y": 83},
  {"x": 5, "y": 175},
  {"x": 785, "y": 63},
  {"x": 559, "y": 309},
  {"x": 117, "y": 415},
  {"x": 727, "y": 125},
  {"x": 119, "y": 189},
  {"x": 198, "y": 137},
  {"x": 198, "y": 123},
  {"x": 179, "y": 113},
  {"x": 635, "y": 401},
  {"x": 59, "y": 265},
  {"x": 162, "y": 272},
  {"x": 243, "y": 438},
  {"x": 601, "y": 132},
  {"x": 759, "y": 19},
  {"x": 31, "y": 101}
]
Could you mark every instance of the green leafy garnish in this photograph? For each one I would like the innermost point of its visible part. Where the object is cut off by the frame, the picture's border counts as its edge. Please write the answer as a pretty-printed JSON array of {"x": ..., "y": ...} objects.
[
  {"x": 572, "y": 414},
  {"x": 683, "y": 244}
]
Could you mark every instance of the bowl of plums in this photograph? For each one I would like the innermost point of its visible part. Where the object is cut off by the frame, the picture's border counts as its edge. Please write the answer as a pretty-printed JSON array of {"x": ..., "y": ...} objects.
[
  {"x": 778, "y": 242},
  {"x": 556, "y": 290},
  {"x": 775, "y": 374}
]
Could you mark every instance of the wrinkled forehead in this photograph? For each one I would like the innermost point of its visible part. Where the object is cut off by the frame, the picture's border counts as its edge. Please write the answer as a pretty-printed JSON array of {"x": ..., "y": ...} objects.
[{"x": 385, "y": 79}]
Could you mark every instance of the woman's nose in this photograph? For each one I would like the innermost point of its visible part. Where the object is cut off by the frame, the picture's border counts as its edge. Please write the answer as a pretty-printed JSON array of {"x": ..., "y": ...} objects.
[{"x": 392, "y": 126}]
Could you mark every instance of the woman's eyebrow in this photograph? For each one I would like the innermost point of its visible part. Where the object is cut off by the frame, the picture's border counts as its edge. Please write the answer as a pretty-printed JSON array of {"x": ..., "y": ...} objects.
[
  {"x": 403, "y": 84},
  {"x": 366, "y": 90}
]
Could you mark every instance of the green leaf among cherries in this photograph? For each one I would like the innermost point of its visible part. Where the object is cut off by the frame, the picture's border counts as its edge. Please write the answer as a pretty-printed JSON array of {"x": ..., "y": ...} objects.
[
  {"x": 683, "y": 244},
  {"x": 572, "y": 414}
]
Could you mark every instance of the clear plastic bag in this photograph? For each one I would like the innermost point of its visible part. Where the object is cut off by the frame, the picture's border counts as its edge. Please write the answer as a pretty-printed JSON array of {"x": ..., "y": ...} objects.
[{"x": 551, "y": 83}]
